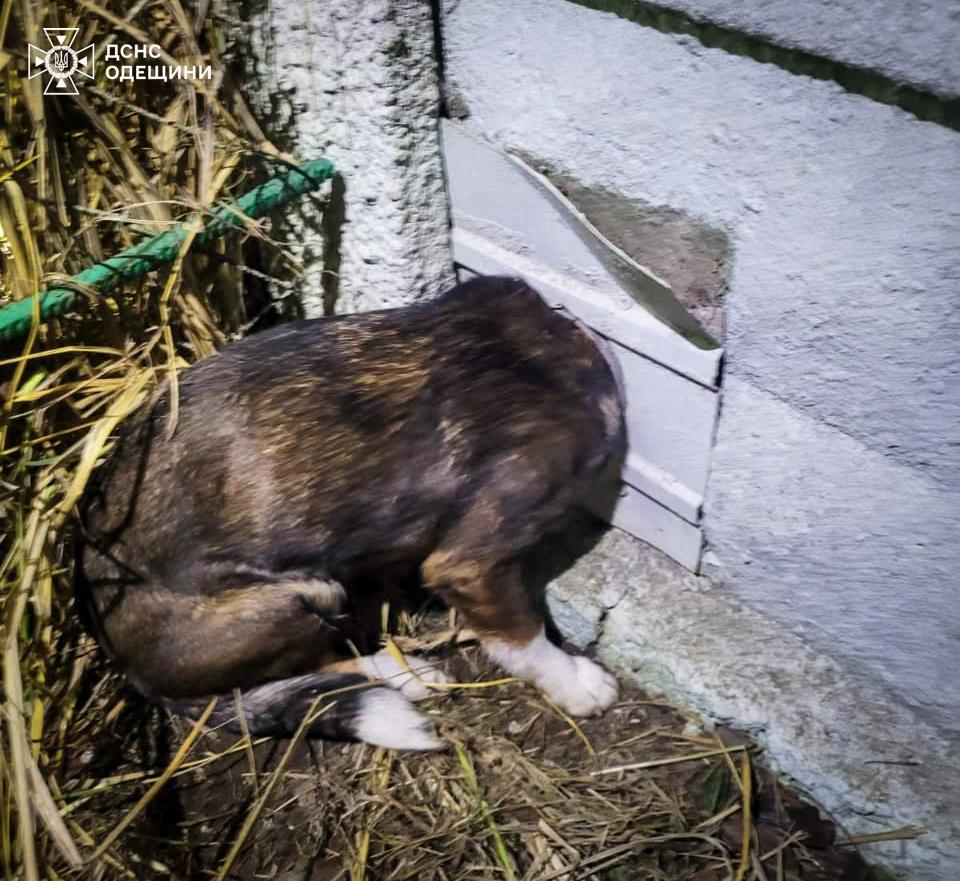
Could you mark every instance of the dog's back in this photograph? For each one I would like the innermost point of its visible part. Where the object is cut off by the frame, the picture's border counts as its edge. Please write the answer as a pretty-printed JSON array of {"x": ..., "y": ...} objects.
[{"x": 324, "y": 449}]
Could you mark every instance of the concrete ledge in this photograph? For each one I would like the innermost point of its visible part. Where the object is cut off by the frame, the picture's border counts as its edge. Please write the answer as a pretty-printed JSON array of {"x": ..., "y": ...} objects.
[{"x": 871, "y": 764}]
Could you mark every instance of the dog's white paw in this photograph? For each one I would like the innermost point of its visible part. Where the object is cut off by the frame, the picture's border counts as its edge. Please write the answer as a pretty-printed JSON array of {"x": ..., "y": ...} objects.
[
  {"x": 575, "y": 684},
  {"x": 587, "y": 691},
  {"x": 413, "y": 685}
]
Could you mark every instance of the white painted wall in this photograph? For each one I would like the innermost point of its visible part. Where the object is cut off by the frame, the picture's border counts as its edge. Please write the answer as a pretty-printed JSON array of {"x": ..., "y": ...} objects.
[
  {"x": 913, "y": 42},
  {"x": 356, "y": 82},
  {"x": 834, "y": 500}
]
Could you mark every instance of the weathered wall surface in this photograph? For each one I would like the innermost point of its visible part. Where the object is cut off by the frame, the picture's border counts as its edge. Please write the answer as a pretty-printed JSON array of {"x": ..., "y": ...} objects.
[
  {"x": 356, "y": 82},
  {"x": 839, "y": 542},
  {"x": 872, "y": 762},
  {"x": 834, "y": 498},
  {"x": 913, "y": 42}
]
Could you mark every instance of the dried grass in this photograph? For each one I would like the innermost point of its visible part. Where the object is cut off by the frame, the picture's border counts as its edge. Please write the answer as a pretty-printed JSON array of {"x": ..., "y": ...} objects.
[
  {"x": 82, "y": 178},
  {"x": 96, "y": 784},
  {"x": 518, "y": 795}
]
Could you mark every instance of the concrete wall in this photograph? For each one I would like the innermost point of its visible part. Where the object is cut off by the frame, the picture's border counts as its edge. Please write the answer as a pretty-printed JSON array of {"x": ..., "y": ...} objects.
[
  {"x": 834, "y": 499},
  {"x": 356, "y": 82},
  {"x": 913, "y": 42}
]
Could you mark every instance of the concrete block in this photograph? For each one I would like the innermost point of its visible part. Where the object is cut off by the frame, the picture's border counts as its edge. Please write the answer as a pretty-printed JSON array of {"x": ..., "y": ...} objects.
[
  {"x": 356, "y": 82},
  {"x": 855, "y": 551},
  {"x": 913, "y": 43},
  {"x": 871, "y": 764}
]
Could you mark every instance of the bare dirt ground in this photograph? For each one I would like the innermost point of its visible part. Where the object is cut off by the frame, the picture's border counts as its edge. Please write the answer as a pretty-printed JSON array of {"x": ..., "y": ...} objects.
[{"x": 643, "y": 792}]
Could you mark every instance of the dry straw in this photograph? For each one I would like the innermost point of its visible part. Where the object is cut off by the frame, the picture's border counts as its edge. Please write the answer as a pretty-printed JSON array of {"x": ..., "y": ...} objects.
[{"x": 82, "y": 178}]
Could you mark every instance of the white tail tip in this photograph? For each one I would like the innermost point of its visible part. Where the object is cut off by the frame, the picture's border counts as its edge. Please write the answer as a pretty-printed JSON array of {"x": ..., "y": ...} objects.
[{"x": 386, "y": 718}]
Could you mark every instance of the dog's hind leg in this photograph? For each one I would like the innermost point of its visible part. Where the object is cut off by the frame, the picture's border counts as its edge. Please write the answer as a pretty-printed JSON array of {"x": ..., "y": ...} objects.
[{"x": 275, "y": 642}]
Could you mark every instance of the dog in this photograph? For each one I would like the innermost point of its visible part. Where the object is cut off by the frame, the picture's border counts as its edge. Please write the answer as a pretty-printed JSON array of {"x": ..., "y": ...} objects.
[{"x": 448, "y": 437}]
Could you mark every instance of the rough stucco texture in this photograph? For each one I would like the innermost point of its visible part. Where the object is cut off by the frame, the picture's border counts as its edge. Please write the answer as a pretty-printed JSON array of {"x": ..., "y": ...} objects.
[
  {"x": 873, "y": 764},
  {"x": 913, "y": 42},
  {"x": 356, "y": 82},
  {"x": 834, "y": 497}
]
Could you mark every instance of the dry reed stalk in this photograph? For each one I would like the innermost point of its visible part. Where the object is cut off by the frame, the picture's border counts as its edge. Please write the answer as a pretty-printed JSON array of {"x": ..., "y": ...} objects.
[
  {"x": 81, "y": 178},
  {"x": 747, "y": 815}
]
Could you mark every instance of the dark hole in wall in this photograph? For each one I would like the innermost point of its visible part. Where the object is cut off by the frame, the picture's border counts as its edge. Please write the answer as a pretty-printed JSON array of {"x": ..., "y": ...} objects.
[{"x": 692, "y": 256}]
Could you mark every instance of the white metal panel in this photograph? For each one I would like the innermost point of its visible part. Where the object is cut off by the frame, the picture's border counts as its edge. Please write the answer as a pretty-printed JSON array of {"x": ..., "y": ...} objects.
[
  {"x": 498, "y": 202},
  {"x": 506, "y": 222},
  {"x": 639, "y": 515},
  {"x": 670, "y": 423}
]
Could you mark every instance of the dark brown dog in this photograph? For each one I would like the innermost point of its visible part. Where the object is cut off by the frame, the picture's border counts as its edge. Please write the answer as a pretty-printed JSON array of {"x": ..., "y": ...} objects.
[{"x": 449, "y": 436}]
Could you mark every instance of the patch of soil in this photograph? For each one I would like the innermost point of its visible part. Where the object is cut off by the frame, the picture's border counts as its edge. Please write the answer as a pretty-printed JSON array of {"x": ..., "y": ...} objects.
[{"x": 643, "y": 792}]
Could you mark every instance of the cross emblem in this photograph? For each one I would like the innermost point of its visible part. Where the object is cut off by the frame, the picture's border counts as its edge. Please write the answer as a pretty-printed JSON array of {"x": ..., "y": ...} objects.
[{"x": 60, "y": 61}]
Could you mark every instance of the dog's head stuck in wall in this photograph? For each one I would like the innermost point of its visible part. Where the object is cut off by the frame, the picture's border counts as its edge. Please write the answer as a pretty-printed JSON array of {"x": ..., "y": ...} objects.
[{"x": 447, "y": 437}]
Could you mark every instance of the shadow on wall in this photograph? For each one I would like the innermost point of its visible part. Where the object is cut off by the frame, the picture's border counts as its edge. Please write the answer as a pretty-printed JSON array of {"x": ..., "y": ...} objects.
[{"x": 271, "y": 109}]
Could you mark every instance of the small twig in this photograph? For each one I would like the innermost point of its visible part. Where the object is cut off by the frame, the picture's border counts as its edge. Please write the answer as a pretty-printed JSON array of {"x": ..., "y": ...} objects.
[
  {"x": 673, "y": 760},
  {"x": 905, "y": 833},
  {"x": 401, "y": 659},
  {"x": 719, "y": 817},
  {"x": 783, "y": 845},
  {"x": 247, "y": 741}
]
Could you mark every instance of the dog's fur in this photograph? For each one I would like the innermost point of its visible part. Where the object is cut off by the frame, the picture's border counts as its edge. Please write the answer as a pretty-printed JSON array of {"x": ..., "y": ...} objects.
[{"x": 448, "y": 436}]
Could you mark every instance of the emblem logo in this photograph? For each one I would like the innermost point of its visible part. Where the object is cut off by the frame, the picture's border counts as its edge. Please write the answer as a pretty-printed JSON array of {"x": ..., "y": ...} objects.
[{"x": 61, "y": 62}]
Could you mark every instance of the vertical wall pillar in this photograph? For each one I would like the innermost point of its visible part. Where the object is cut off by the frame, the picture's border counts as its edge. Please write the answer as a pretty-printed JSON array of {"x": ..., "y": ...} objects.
[{"x": 356, "y": 81}]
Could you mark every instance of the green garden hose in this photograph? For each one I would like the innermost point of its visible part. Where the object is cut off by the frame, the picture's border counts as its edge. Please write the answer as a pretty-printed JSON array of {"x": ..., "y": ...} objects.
[{"x": 16, "y": 318}]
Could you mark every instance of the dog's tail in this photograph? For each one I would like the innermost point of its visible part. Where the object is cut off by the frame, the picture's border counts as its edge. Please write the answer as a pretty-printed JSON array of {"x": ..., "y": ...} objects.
[{"x": 342, "y": 706}]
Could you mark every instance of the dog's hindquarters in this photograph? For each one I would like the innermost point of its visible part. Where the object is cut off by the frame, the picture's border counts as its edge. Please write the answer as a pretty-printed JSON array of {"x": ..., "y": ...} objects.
[
  {"x": 268, "y": 649},
  {"x": 454, "y": 434}
]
